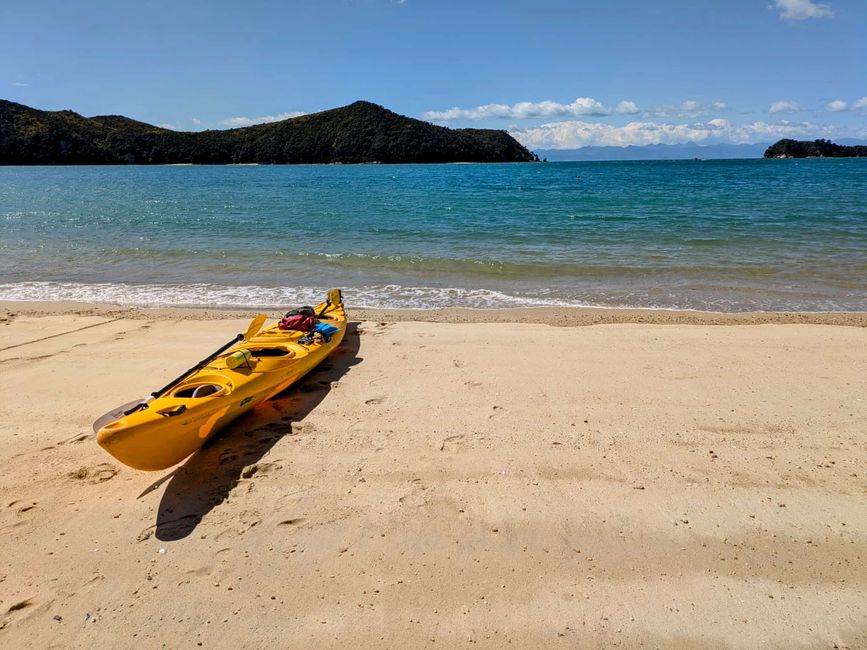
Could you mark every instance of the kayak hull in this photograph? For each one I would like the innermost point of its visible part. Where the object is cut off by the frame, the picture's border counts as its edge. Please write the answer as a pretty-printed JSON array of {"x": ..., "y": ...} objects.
[{"x": 167, "y": 429}]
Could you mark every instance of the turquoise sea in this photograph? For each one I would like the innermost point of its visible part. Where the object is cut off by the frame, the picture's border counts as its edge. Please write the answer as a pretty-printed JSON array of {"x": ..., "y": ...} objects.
[{"x": 720, "y": 235}]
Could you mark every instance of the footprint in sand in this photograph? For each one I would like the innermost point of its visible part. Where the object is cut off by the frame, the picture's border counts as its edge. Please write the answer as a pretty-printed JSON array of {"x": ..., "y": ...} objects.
[
  {"x": 374, "y": 400},
  {"x": 96, "y": 474},
  {"x": 497, "y": 410},
  {"x": 227, "y": 456},
  {"x": 247, "y": 520},
  {"x": 201, "y": 572},
  {"x": 27, "y": 602},
  {"x": 79, "y": 437},
  {"x": 375, "y": 330},
  {"x": 92, "y": 580},
  {"x": 418, "y": 496},
  {"x": 303, "y": 427},
  {"x": 451, "y": 441},
  {"x": 250, "y": 471},
  {"x": 260, "y": 469},
  {"x": 279, "y": 427},
  {"x": 172, "y": 528},
  {"x": 16, "y": 611},
  {"x": 291, "y": 522}
]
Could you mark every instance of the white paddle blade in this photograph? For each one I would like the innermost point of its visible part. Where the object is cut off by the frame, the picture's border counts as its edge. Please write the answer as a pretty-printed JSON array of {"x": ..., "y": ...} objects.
[{"x": 116, "y": 414}]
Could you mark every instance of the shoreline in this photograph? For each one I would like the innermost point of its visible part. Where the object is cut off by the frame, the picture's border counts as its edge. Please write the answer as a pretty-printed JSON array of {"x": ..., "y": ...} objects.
[{"x": 554, "y": 316}]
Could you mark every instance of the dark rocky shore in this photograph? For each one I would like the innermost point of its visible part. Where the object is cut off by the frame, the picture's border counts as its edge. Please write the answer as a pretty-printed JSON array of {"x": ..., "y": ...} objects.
[{"x": 813, "y": 149}]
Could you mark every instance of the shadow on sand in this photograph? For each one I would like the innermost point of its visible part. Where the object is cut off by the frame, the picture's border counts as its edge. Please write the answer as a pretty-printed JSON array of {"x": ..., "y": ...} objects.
[{"x": 205, "y": 480}]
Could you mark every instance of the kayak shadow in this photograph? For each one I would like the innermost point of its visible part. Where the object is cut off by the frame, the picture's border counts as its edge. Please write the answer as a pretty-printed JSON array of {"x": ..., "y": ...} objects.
[{"x": 207, "y": 478}]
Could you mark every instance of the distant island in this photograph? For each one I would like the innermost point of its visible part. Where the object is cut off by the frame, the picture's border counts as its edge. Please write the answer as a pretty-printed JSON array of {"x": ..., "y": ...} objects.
[
  {"x": 359, "y": 133},
  {"x": 814, "y": 149},
  {"x": 719, "y": 151}
]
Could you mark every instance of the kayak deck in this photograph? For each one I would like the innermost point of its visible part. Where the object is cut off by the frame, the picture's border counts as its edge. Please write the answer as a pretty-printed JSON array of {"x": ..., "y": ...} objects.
[{"x": 163, "y": 431}]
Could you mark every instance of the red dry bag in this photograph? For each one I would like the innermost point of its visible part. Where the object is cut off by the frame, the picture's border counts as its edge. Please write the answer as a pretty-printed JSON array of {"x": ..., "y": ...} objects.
[{"x": 297, "y": 322}]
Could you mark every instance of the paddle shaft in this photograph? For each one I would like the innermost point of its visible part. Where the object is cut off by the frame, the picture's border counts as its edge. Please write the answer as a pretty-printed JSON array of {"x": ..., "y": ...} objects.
[
  {"x": 201, "y": 363},
  {"x": 324, "y": 309}
]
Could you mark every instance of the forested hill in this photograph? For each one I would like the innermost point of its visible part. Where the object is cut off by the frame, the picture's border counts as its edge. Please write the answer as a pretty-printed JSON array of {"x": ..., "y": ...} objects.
[
  {"x": 813, "y": 149},
  {"x": 359, "y": 133}
]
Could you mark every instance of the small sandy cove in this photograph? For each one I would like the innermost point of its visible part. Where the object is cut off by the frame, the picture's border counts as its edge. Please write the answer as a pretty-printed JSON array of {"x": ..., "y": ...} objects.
[{"x": 671, "y": 483}]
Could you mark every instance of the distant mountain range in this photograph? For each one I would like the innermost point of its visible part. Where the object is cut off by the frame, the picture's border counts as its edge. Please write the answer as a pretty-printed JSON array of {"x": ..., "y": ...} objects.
[
  {"x": 688, "y": 151},
  {"x": 359, "y": 133}
]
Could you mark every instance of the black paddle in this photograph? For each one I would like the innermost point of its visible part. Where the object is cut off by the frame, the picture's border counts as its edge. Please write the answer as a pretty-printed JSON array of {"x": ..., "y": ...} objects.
[
  {"x": 131, "y": 407},
  {"x": 254, "y": 328}
]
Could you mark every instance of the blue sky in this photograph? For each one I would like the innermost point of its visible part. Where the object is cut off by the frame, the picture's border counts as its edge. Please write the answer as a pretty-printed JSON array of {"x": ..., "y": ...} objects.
[{"x": 555, "y": 73}]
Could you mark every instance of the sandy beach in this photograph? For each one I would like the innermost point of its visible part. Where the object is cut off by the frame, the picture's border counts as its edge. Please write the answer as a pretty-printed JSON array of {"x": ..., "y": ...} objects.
[{"x": 533, "y": 478}]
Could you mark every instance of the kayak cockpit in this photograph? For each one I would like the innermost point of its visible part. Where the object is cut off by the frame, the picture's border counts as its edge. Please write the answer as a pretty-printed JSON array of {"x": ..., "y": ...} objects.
[{"x": 203, "y": 386}]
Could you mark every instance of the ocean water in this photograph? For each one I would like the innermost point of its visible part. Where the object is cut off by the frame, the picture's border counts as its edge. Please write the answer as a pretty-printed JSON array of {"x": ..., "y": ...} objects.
[{"x": 786, "y": 235}]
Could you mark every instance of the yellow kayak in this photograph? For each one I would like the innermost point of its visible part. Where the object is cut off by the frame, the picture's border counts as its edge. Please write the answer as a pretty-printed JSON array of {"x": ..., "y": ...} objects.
[{"x": 162, "y": 431}]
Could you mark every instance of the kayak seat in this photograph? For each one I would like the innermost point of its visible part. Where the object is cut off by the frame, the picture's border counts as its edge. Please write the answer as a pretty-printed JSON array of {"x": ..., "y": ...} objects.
[
  {"x": 202, "y": 390},
  {"x": 205, "y": 390}
]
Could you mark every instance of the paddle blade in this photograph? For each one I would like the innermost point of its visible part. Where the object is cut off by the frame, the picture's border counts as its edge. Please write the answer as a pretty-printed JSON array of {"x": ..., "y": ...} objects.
[
  {"x": 116, "y": 414},
  {"x": 255, "y": 326}
]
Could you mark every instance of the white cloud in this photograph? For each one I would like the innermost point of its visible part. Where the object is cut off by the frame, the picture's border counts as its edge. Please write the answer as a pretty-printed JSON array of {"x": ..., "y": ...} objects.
[
  {"x": 18, "y": 84},
  {"x": 264, "y": 119},
  {"x": 166, "y": 125},
  {"x": 196, "y": 121},
  {"x": 861, "y": 103},
  {"x": 580, "y": 107},
  {"x": 837, "y": 106},
  {"x": 626, "y": 108},
  {"x": 784, "y": 106},
  {"x": 802, "y": 9},
  {"x": 576, "y": 134},
  {"x": 523, "y": 110},
  {"x": 687, "y": 108}
]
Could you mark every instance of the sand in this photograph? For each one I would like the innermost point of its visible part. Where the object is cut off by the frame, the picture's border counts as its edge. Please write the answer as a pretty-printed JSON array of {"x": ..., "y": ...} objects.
[{"x": 446, "y": 484}]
